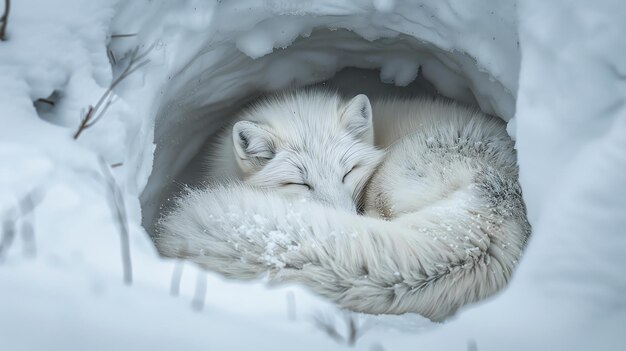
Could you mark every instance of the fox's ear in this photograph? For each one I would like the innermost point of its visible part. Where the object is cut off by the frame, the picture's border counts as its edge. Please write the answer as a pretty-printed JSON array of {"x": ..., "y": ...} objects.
[
  {"x": 254, "y": 145},
  {"x": 357, "y": 118}
]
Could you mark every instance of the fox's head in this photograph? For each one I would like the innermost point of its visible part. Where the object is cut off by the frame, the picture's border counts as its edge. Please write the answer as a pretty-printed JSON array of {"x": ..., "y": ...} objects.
[{"x": 313, "y": 145}]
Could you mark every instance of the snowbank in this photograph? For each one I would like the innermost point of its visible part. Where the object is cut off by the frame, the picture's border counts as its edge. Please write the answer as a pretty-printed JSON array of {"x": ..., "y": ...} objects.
[{"x": 558, "y": 67}]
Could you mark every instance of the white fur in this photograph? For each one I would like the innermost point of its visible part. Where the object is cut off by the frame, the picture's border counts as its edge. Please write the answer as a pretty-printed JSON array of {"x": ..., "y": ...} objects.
[{"x": 448, "y": 221}]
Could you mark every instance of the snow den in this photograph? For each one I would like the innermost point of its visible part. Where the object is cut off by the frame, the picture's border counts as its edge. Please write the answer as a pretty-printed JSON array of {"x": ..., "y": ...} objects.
[
  {"x": 382, "y": 49},
  {"x": 77, "y": 263}
]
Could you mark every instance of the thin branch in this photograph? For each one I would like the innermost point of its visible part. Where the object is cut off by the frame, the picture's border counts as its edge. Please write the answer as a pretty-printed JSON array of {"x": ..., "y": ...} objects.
[
  {"x": 95, "y": 112},
  {"x": 115, "y": 36},
  {"x": 117, "y": 201},
  {"x": 177, "y": 275},
  {"x": 5, "y": 20},
  {"x": 327, "y": 324},
  {"x": 112, "y": 57},
  {"x": 46, "y": 101},
  {"x": 291, "y": 306},
  {"x": 8, "y": 233},
  {"x": 139, "y": 65},
  {"x": 83, "y": 121},
  {"x": 353, "y": 333},
  {"x": 101, "y": 113},
  {"x": 329, "y": 328},
  {"x": 200, "y": 294},
  {"x": 27, "y": 206},
  {"x": 21, "y": 212}
]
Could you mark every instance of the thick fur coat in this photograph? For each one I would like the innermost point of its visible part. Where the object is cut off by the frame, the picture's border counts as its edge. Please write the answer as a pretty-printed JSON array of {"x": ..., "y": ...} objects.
[{"x": 445, "y": 220}]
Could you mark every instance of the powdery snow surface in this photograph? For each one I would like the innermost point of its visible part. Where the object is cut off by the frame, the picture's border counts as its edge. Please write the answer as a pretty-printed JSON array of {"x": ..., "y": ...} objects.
[{"x": 558, "y": 67}]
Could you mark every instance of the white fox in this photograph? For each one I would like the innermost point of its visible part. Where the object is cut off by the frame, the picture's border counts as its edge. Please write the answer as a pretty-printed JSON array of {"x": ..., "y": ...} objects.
[{"x": 446, "y": 221}]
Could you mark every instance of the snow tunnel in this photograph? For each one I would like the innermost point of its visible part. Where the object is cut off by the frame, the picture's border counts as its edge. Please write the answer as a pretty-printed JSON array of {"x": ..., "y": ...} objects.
[{"x": 215, "y": 64}]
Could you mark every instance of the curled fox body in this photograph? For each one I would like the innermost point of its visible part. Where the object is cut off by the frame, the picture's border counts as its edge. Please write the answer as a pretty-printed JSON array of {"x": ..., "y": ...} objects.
[{"x": 445, "y": 221}]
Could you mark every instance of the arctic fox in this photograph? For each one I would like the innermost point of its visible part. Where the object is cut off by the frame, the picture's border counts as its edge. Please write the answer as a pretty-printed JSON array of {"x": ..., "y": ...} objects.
[
  {"x": 446, "y": 221},
  {"x": 310, "y": 144}
]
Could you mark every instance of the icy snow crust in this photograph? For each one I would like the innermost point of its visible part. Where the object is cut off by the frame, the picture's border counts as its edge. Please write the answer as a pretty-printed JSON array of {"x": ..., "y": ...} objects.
[{"x": 62, "y": 276}]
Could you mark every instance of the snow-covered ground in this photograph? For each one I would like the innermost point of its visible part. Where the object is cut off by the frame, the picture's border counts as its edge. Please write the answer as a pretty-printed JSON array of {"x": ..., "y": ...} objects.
[{"x": 556, "y": 70}]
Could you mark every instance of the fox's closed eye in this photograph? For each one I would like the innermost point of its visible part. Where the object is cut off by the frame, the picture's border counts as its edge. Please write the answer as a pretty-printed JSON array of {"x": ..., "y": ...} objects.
[
  {"x": 298, "y": 184},
  {"x": 345, "y": 175}
]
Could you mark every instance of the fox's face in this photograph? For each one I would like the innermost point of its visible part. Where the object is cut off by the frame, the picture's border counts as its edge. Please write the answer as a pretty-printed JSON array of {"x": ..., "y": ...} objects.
[{"x": 322, "y": 151}]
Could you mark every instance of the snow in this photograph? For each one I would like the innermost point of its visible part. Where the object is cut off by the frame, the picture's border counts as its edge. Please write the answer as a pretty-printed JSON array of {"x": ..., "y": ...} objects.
[{"x": 555, "y": 70}]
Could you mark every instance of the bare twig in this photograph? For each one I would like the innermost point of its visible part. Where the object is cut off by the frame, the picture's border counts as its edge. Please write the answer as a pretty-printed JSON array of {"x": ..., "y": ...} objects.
[
  {"x": 95, "y": 112},
  {"x": 291, "y": 306},
  {"x": 8, "y": 233},
  {"x": 101, "y": 113},
  {"x": 329, "y": 328},
  {"x": 353, "y": 333},
  {"x": 177, "y": 275},
  {"x": 117, "y": 201},
  {"x": 5, "y": 20},
  {"x": 327, "y": 324},
  {"x": 46, "y": 101},
  {"x": 112, "y": 57},
  {"x": 200, "y": 294},
  {"x": 115, "y": 36},
  {"x": 27, "y": 206},
  {"x": 21, "y": 212},
  {"x": 84, "y": 119}
]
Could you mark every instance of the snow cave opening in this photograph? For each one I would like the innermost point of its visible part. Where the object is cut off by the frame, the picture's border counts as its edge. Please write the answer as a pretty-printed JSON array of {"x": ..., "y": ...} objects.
[{"x": 213, "y": 85}]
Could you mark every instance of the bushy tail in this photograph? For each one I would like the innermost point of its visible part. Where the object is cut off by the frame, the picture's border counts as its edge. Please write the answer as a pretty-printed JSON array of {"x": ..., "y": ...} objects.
[{"x": 430, "y": 262}]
